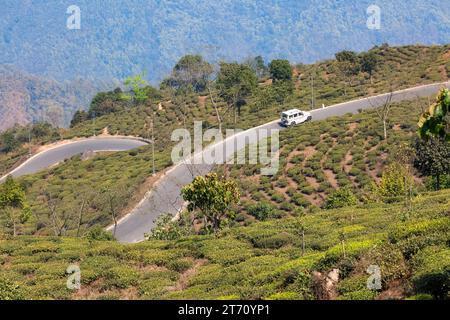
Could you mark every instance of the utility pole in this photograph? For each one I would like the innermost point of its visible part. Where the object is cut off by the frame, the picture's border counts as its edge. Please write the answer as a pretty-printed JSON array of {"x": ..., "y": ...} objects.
[
  {"x": 94, "y": 125},
  {"x": 29, "y": 138},
  {"x": 152, "y": 137},
  {"x": 312, "y": 92}
]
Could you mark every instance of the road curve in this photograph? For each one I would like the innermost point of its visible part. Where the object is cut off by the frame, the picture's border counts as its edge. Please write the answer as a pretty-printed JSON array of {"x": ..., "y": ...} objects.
[
  {"x": 165, "y": 196},
  {"x": 59, "y": 153}
]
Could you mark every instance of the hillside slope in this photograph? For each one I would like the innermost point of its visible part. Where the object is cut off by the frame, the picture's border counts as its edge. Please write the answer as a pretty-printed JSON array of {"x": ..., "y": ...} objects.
[
  {"x": 260, "y": 261},
  {"x": 25, "y": 98}
]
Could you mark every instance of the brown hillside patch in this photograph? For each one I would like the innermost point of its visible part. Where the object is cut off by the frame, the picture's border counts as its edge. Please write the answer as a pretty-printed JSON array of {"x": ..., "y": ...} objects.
[
  {"x": 446, "y": 55},
  {"x": 202, "y": 101},
  {"x": 183, "y": 281},
  {"x": 331, "y": 177}
]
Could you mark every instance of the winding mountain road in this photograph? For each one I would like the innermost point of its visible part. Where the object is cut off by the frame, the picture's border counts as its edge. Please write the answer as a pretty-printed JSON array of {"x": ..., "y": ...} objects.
[
  {"x": 165, "y": 196},
  {"x": 59, "y": 153}
]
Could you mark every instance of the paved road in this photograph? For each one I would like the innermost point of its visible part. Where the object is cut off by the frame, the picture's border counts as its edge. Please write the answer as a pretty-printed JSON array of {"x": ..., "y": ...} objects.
[
  {"x": 58, "y": 154},
  {"x": 165, "y": 196}
]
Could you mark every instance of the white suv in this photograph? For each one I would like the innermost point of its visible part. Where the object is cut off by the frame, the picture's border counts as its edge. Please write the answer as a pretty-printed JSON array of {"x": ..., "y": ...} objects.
[{"x": 294, "y": 117}]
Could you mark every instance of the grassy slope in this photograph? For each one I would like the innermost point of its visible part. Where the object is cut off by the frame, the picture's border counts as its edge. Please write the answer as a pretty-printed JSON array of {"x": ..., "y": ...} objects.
[
  {"x": 262, "y": 260},
  {"x": 343, "y": 151},
  {"x": 402, "y": 67}
]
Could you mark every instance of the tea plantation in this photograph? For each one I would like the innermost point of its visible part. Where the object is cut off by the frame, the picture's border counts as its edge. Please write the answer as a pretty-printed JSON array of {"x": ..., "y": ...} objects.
[{"x": 263, "y": 260}]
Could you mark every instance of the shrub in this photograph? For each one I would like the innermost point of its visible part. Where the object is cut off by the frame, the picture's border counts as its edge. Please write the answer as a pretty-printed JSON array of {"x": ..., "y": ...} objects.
[
  {"x": 341, "y": 198},
  {"x": 285, "y": 296},
  {"x": 261, "y": 211},
  {"x": 99, "y": 234},
  {"x": 10, "y": 291}
]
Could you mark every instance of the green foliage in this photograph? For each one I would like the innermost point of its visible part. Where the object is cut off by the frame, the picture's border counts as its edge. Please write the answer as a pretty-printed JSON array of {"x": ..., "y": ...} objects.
[
  {"x": 191, "y": 72},
  {"x": 13, "y": 204},
  {"x": 9, "y": 291},
  {"x": 433, "y": 272},
  {"x": 261, "y": 211},
  {"x": 213, "y": 197},
  {"x": 167, "y": 229},
  {"x": 433, "y": 159},
  {"x": 106, "y": 102},
  {"x": 341, "y": 198},
  {"x": 395, "y": 183},
  {"x": 99, "y": 234},
  {"x": 236, "y": 82},
  {"x": 436, "y": 121},
  {"x": 79, "y": 117},
  {"x": 347, "y": 56},
  {"x": 8, "y": 142},
  {"x": 280, "y": 70},
  {"x": 138, "y": 87},
  {"x": 369, "y": 62}
]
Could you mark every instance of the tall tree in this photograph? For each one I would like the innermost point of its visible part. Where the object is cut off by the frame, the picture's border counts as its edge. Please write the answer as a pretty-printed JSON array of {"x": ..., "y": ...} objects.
[
  {"x": 235, "y": 83},
  {"x": 436, "y": 121},
  {"x": 433, "y": 158},
  {"x": 212, "y": 198},
  {"x": 384, "y": 111},
  {"x": 280, "y": 70},
  {"x": 13, "y": 204},
  {"x": 369, "y": 62},
  {"x": 191, "y": 73},
  {"x": 138, "y": 86}
]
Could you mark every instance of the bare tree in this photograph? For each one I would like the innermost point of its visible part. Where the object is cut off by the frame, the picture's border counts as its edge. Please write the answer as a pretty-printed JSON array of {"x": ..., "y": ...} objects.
[
  {"x": 86, "y": 200},
  {"x": 59, "y": 218},
  {"x": 383, "y": 111}
]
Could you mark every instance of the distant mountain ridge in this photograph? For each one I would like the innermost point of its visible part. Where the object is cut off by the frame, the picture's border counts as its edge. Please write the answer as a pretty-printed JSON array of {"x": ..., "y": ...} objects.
[
  {"x": 25, "y": 98},
  {"x": 121, "y": 37}
]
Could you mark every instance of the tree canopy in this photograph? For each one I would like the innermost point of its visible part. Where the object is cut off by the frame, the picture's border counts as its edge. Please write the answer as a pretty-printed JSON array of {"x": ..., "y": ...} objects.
[
  {"x": 212, "y": 196},
  {"x": 436, "y": 121},
  {"x": 280, "y": 70}
]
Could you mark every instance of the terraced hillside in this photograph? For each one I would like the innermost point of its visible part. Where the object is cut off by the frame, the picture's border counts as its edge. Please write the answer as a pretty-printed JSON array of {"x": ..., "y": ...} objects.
[
  {"x": 264, "y": 260},
  {"x": 128, "y": 175},
  {"x": 319, "y": 157}
]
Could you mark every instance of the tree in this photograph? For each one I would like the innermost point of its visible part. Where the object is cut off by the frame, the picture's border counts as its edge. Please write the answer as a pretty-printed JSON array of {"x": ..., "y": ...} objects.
[
  {"x": 341, "y": 198},
  {"x": 433, "y": 158},
  {"x": 394, "y": 184},
  {"x": 59, "y": 217},
  {"x": 13, "y": 204},
  {"x": 106, "y": 102},
  {"x": 8, "y": 141},
  {"x": 257, "y": 65},
  {"x": 212, "y": 197},
  {"x": 236, "y": 82},
  {"x": 384, "y": 111},
  {"x": 138, "y": 86},
  {"x": 347, "y": 56},
  {"x": 348, "y": 66},
  {"x": 191, "y": 73},
  {"x": 369, "y": 62},
  {"x": 280, "y": 70},
  {"x": 436, "y": 121},
  {"x": 79, "y": 117},
  {"x": 166, "y": 228}
]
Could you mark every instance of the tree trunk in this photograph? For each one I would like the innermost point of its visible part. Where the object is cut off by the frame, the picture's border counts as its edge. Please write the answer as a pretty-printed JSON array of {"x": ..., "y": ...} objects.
[
  {"x": 385, "y": 129},
  {"x": 14, "y": 229},
  {"x": 303, "y": 243}
]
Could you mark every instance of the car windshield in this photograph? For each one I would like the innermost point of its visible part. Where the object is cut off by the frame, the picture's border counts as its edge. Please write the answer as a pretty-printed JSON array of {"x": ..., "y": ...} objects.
[{"x": 284, "y": 115}]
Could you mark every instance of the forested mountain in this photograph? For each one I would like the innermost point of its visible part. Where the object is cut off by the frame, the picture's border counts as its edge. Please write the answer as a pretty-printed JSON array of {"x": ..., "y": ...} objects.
[
  {"x": 119, "y": 38},
  {"x": 25, "y": 98}
]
